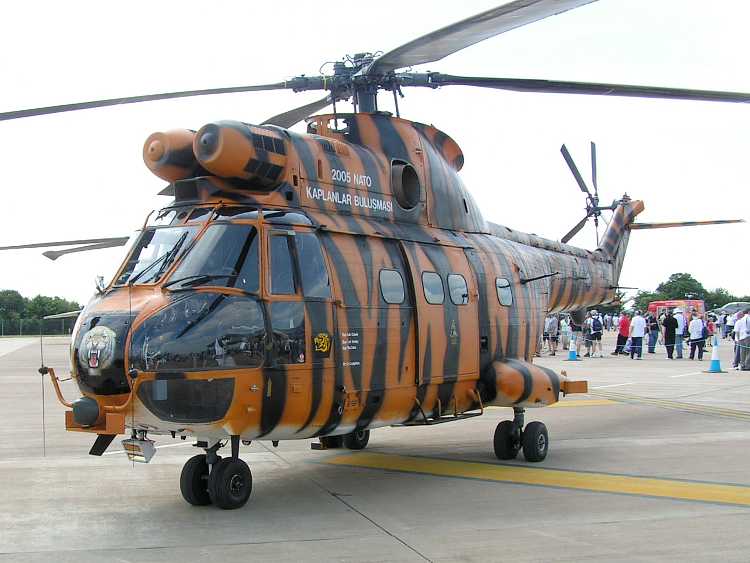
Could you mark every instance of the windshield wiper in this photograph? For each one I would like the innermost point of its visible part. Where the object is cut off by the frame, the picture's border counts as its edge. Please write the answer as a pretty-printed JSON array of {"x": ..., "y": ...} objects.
[
  {"x": 164, "y": 259},
  {"x": 197, "y": 279}
]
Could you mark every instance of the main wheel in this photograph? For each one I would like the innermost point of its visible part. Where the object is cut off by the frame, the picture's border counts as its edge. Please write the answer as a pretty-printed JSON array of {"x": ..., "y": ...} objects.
[
  {"x": 535, "y": 441},
  {"x": 505, "y": 444},
  {"x": 194, "y": 481},
  {"x": 357, "y": 440},
  {"x": 332, "y": 442},
  {"x": 230, "y": 483}
]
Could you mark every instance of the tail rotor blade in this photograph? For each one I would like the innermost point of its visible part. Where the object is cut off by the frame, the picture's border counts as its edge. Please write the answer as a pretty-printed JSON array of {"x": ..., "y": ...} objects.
[
  {"x": 574, "y": 170},
  {"x": 574, "y": 231}
]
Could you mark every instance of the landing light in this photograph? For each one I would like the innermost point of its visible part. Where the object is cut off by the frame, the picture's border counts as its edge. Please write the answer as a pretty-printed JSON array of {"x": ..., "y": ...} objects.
[{"x": 139, "y": 450}]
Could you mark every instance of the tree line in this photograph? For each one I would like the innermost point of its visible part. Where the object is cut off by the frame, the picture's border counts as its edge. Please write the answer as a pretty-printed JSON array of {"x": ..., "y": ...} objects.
[
  {"x": 685, "y": 286},
  {"x": 21, "y": 315}
]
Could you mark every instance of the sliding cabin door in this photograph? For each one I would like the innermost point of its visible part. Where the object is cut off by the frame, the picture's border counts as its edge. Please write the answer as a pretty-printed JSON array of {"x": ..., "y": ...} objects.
[{"x": 447, "y": 322}]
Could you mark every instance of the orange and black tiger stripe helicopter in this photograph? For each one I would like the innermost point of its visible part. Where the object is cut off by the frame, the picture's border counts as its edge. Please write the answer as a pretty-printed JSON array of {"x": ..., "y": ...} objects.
[{"x": 320, "y": 285}]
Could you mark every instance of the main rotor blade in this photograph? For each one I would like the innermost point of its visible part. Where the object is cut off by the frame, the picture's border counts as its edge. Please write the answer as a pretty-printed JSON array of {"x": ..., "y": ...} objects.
[
  {"x": 593, "y": 171},
  {"x": 574, "y": 170},
  {"x": 450, "y": 39},
  {"x": 115, "y": 241},
  {"x": 294, "y": 116},
  {"x": 435, "y": 80},
  {"x": 55, "y": 254},
  {"x": 574, "y": 231},
  {"x": 636, "y": 226},
  {"x": 135, "y": 99}
]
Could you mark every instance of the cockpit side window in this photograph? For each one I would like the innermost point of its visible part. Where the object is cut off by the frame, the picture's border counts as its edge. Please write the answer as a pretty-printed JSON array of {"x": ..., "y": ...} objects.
[
  {"x": 282, "y": 264},
  {"x": 315, "y": 282}
]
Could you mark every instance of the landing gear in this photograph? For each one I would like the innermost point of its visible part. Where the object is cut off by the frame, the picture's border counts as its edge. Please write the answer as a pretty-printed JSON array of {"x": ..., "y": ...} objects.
[
  {"x": 357, "y": 440},
  {"x": 194, "y": 481},
  {"x": 535, "y": 441},
  {"x": 511, "y": 436},
  {"x": 505, "y": 442},
  {"x": 207, "y": 478},
  {"x": 230, "y": 483}
]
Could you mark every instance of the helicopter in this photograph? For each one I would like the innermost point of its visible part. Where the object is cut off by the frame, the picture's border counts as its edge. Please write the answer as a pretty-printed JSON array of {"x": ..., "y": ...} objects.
[{"x": 323, "y": 284}]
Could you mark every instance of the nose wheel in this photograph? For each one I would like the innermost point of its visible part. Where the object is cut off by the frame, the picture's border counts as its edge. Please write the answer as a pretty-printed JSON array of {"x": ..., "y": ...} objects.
[
  {"x": 209, "y": 479},
  {"x": 510, "y": 437}
]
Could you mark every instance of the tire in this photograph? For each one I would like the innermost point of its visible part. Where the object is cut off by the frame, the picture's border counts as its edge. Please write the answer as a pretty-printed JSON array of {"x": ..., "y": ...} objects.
[
  {"x": 230, "y": 483},
  {"x": 357, "y": 440},
  {"x": 332, "y": 442},
  {"x": 194, "y": 481},
  {"x": 535, "y": 441},
  {"x": 505, "y": 445}
]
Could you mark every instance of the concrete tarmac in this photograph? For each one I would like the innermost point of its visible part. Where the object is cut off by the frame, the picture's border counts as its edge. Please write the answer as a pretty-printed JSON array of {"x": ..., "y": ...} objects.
[{"x": 651, "y": 465}]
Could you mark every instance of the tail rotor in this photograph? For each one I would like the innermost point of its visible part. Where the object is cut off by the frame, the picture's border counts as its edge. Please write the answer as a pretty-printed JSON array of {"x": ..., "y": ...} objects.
[{"x": 593, "y": 209}]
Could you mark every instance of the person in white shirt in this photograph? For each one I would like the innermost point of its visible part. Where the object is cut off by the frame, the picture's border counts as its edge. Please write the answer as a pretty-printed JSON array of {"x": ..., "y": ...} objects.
[
  {"x": 729, "y": 327},
  {"x": 742, "y": 335},
  {"x": 637, "y": 332},
  {"x": 697, "y": 338},
  {"x": 681, "y": 325}
]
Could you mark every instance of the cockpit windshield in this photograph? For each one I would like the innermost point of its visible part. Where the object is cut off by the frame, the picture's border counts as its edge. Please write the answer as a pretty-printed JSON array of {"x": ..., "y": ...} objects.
[
  {"x": 226, "y": 255},
  {"x": 154, "y": 253}
]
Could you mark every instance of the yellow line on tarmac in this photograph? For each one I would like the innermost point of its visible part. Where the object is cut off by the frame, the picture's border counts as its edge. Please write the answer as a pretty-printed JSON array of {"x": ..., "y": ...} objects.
[
  {"x": 678, "y": 406},
  {"x": 585, "y": 481},
  {"x": 577, "y": 403},
  {"x": 584, "y": 403}
]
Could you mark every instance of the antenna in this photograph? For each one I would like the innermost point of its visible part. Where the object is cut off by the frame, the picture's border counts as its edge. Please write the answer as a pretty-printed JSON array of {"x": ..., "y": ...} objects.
[{"x": 43, "y": 372}]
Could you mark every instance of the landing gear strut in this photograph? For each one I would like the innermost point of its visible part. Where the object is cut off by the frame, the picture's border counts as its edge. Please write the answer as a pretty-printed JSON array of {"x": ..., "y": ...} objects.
[
  {"x": 207, "y": 478},
  {"x": 511, "y": 436}
]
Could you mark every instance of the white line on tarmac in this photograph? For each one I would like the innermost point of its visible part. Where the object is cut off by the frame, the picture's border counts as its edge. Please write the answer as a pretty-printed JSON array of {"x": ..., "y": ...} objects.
[
  {"x": 614, "y": 385},
  {"x": 157, "y": 447},
  {"x": 686, "y": 374}
]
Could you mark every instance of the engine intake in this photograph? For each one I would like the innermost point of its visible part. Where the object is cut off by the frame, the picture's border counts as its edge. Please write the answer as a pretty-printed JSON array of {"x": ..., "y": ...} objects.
[{"x": 231, "y": 149}]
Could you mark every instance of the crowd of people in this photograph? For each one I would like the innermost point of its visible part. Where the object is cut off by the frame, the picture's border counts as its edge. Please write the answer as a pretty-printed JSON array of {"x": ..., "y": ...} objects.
[{"x": 675, "y": 329}]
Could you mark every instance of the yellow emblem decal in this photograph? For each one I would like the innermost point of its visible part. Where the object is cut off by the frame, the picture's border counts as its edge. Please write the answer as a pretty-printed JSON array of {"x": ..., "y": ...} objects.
[{"x": 322, "y": 343}]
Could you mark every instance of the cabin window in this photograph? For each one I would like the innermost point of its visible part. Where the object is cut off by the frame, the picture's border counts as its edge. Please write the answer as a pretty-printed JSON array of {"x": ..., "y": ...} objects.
[
  {"x": 504, "y": 295},
  {"x": 282, "y": 265},
  {"x": 432, "y": 284},
  {"x": 315, "y": 281},
  {"x": 458, "y": 289},
  {"x": 392, "y": 287},
  {"x": 288, "y": 324},
  {"x": 226, "y": 255}
]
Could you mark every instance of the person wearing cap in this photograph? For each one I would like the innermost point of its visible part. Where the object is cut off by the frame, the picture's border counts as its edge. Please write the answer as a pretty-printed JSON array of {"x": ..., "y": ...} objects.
[{"x": 680, "y": 333}]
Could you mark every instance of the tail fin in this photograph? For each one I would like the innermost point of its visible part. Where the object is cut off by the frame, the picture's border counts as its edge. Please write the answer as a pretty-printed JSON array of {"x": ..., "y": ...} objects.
[{"x": 614, "y": 243}]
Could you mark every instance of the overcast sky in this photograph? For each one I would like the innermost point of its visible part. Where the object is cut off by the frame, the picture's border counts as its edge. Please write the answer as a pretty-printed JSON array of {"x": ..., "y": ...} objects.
[{"x": 81, "y": 174}]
